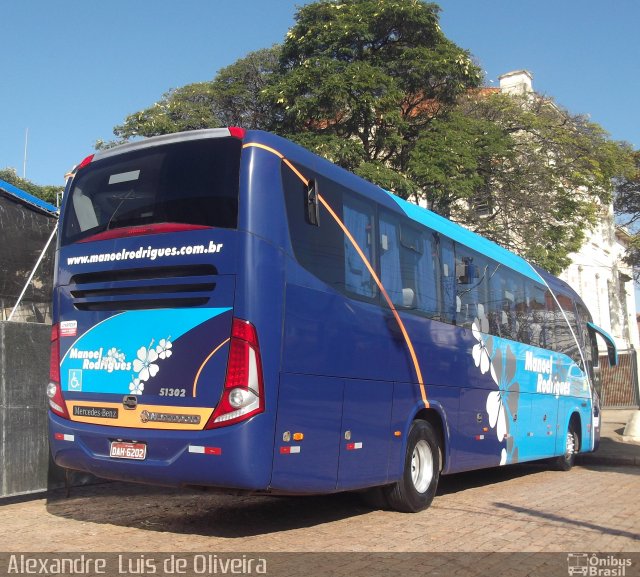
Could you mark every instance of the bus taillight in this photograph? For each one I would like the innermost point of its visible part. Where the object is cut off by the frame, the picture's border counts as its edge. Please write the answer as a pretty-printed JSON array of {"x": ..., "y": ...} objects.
[
  {"x": 243, "y": 394},
  {"x": 54, "y": 390},
  {"x": 237, "y": 132}
]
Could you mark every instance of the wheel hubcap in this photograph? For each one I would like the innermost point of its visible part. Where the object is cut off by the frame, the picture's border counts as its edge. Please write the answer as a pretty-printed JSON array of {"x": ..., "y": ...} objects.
[
  {"x": 571, "y": 445},
  {"x": 421, "y": 466}
]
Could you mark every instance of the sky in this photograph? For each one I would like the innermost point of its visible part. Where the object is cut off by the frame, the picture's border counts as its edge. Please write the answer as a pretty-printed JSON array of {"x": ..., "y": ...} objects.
[{"x": 71, "y": 71}]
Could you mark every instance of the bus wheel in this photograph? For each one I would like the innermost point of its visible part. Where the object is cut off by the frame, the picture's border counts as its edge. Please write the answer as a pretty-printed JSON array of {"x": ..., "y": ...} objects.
[
  {"x": 572, "y": 446},
  {"x": 417, "y": 487}
]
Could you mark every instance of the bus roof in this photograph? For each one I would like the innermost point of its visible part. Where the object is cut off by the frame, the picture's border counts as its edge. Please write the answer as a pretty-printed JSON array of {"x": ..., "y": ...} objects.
[{"x": 468, "y": 238}]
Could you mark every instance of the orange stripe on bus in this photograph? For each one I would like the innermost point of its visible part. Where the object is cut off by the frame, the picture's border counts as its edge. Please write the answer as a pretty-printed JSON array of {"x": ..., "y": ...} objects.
[
  {"x": 213, "y": 352},
  {"x": 378, "y": 282}
]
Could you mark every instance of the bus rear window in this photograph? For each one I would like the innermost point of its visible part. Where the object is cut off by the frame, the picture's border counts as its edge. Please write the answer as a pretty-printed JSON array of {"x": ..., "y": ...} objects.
[{"x": 193, "y": 183}]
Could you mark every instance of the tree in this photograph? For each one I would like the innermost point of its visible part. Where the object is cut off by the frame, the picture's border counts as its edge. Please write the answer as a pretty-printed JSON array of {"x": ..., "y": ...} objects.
[
  {"x": 47, "y": 193},
  {"x": 376, "y": 87},
  {"x": 521, "y": 171},
  {"x": 233, "y": 98},
  {"x": 188, "y": 108},
  {"x": 238, "y": 90},
  {"x": 359, "y": 80},
  {"x": 627, "y": 210}
]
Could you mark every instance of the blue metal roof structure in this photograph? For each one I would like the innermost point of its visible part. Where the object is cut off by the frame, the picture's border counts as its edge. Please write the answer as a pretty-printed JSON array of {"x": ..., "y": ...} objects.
[{"x": 29, "y": 199}]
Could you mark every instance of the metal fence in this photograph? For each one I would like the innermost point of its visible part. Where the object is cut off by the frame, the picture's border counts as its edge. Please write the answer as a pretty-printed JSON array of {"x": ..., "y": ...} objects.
[
  {"x": 24, "y": 448},
  {"x": 620, "y": 383}
]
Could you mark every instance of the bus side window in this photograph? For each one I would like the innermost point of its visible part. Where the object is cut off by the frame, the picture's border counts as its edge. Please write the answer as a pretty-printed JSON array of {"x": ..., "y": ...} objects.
[
  {"x": 548, "y": 340},
  {"x": 512, "y": 306},
  {"x": 448, "y": 280},
  {"x": 536, "y": 315},
  {"x": 467, "y": 278},
  {"x": 567, "y": 334},
  {"x": 390, "y": 271},
  {"x": 428, "y": 281},
  {"x": 319, "y": 249},
  {"x": 412, "y": 261},
  {"x": 358, "y": 219}
]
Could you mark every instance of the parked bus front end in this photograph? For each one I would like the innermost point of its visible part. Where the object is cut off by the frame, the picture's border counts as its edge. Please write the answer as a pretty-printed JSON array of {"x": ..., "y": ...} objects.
[{"x": 162, "y": 368}]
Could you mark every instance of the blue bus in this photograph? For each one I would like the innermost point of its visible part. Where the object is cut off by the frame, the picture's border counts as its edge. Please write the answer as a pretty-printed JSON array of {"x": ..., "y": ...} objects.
[{"x": 233, "y": 311}]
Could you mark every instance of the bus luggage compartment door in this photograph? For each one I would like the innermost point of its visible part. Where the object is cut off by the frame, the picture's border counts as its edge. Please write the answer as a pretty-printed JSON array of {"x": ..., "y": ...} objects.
[
  {"x": 365, "y": 436},
  {"x": 307, "y": 434}
]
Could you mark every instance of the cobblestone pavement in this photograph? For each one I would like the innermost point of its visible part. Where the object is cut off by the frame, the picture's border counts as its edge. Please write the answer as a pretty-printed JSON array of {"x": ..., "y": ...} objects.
[{"x": 519, "y": 508}]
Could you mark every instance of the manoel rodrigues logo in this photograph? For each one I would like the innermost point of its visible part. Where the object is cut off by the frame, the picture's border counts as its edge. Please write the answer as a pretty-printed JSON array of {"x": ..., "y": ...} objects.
[{"x": 153, "y": 417}]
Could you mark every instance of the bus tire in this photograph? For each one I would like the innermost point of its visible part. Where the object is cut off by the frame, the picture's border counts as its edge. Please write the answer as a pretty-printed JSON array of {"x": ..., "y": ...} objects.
[
  {"x": 417, "y": 487},
  {"x": 572, "y": 445}
]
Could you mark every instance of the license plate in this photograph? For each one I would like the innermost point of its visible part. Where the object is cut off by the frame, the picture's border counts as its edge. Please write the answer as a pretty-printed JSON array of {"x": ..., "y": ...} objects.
[{"x": 124, "y": 450}]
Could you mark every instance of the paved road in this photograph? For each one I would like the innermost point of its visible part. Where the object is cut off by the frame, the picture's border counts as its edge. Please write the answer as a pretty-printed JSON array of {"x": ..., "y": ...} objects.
[{"x": 521, "y": 508}]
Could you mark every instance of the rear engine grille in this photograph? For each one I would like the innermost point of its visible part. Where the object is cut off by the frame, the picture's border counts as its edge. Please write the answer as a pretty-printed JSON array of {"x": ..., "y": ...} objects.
[{"x": 143, "y": 288}]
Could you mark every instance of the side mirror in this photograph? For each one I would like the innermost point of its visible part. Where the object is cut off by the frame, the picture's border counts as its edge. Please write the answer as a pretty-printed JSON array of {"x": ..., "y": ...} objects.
[
  {"x": 312, "y": 203},
  {"x": 612, "y": 352}
]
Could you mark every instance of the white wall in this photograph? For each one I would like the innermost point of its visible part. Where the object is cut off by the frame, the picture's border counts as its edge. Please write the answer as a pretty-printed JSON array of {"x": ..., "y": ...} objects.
[{"x": 604, "y": 282}]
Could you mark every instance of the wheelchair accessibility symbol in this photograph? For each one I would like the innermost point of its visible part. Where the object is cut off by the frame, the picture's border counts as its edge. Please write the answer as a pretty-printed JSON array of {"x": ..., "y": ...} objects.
[{"x": 75, "y": 379}]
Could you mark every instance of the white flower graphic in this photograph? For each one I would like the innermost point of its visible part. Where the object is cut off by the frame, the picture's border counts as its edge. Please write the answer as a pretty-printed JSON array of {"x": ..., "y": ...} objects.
[
  {"x": 144, "y": 364},
  {"x": 481, "y": 356},
  {"x": 497, "y": 414},
  {"x": 164, "y": 348},
  {"x": 115, "y": 354},
  {"x": 136, "y": 386}
]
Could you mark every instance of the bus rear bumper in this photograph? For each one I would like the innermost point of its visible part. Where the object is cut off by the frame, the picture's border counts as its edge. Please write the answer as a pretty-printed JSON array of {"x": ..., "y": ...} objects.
[{"x": 235, "y": 457}]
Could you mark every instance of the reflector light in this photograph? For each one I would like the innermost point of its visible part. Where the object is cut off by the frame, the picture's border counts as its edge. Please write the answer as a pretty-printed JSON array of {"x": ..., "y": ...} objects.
[
  {"x": 237, "y": 132},
  {"x": 289, "y": 450},
  {"x": 243, "y": 392},
  {"x": 86, "y": 161},
  {"x": 205, "y": 450}
]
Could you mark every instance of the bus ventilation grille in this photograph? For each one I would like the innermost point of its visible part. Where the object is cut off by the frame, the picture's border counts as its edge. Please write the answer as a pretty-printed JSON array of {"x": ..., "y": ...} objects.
[{"x": 143, "y": 288}]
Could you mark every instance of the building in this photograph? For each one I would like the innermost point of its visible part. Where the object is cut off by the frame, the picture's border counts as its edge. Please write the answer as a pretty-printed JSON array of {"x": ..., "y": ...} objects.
[
  {"x": 605, "y": 282},
  {"x": 600, "y": 276}
]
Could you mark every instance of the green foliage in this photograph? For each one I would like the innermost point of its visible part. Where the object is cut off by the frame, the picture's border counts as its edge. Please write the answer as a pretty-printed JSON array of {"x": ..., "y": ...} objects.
[
  {"x": 627, "y": 210},
  {"x": 233, "y": 98},
  {"x": 376, "y": 87},
  {"x": 520, "y": 171},
  {"x": 370, "y": 71},
  {"x": 186, "y": 108},
  {"x": 238, "y": 90},
  {"x": 452, "y": 160},
  {"x": 47, "y": 193}
]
